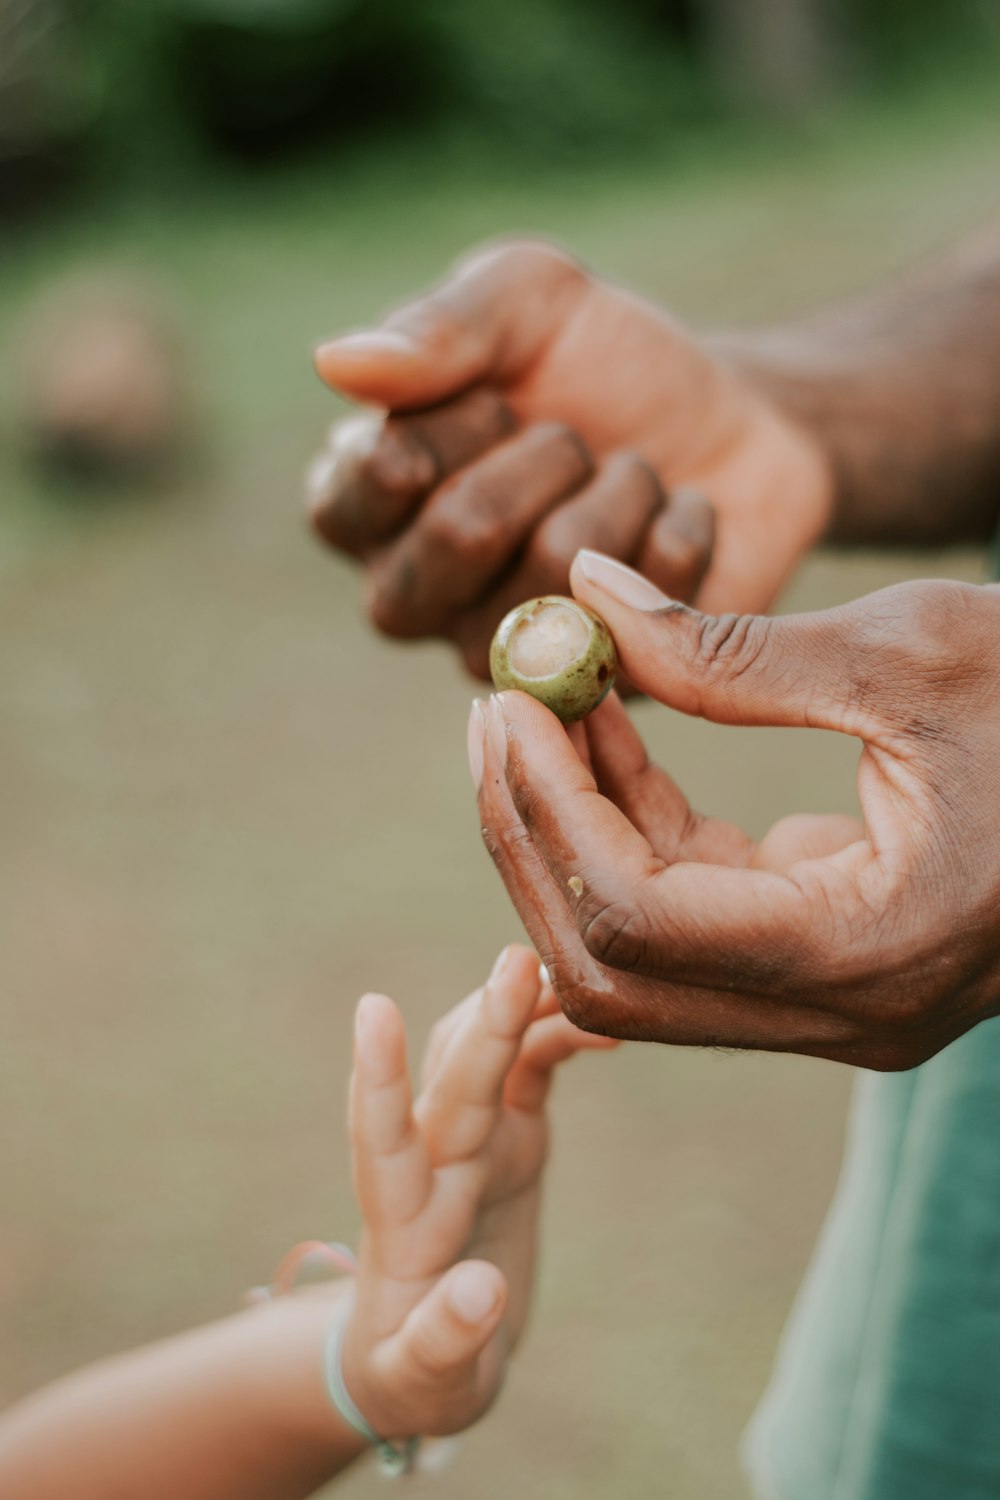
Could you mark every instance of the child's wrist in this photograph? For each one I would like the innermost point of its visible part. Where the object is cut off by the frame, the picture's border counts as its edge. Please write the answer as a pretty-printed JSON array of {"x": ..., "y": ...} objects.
[{"x": 295, "y": 1331}]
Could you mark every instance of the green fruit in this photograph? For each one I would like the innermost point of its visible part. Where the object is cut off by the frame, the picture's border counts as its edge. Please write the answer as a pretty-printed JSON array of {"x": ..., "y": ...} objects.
[{"x": 558, "y": 651}]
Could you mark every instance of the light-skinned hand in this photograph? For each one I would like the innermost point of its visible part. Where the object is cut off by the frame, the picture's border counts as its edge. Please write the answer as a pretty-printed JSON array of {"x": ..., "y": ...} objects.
[{"x": 449, "y": 1189}]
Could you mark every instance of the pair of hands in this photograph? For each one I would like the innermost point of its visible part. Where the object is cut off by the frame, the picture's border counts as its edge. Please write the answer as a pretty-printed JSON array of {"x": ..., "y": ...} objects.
[
  {"x": 871, "y": 942},
  {"x": 449, "y": 1190}
]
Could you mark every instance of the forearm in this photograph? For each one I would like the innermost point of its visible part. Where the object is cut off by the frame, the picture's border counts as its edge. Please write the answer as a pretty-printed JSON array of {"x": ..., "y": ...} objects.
[
  {"x": 902, "y": 391},
  {"x": 233, "y": 1411}
]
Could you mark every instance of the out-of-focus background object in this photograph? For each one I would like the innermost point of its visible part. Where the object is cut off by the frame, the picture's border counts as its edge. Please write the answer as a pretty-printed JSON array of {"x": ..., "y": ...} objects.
[
  {"x": 49, "y": 98},
  {"x": 226, "y": 807},
  {"x": 100, "y": 379}
]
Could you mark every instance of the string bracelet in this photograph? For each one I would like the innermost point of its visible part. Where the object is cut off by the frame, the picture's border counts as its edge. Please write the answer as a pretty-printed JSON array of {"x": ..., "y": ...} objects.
[{"x": 393, "y": 1459}]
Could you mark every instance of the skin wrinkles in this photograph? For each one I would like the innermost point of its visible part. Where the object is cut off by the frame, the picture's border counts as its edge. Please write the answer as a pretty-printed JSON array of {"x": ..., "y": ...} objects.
[{"x": 873, "y": 943}]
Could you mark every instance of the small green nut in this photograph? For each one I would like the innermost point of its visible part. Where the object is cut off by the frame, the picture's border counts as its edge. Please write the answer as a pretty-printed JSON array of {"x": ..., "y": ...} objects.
[{"x": 558, "y": 651}]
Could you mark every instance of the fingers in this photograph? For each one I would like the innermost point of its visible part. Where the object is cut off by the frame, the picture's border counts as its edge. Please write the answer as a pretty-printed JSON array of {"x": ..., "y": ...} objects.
[
  {"x": 623, "y": 1003},
  {"x": 871, "y": 669},
  {"x": 651, "y": 801},
  {"x": 550, "y": 1042},
  {"x": 445, "y": 1028},
  {"x": 441, "y": 1340},
  {"x": 487, "y": 321},
  {"x": 376, "y": 469},
  {"x": 806, "y": 836},
  {"x": 460, "y": 1103},
  {"x": 747, "y": 669},
  {"x": 632, "y": 912},
  {"x": 678, "y": 550},
  {"x": 392, "y": 1171},
  {"x": 470, "y": 529},
  {"x": 441, "y": 1034},
  {"x": 617, "y": 504},
  {"x": 529, "y": 885}
]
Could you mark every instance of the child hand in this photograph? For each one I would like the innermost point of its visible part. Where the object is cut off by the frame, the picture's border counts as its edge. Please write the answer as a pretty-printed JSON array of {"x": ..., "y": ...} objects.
[{"x": 449, "y": 1189}]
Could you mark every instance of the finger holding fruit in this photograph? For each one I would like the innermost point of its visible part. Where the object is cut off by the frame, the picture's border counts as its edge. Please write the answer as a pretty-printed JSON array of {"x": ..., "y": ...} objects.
[{"x": 870, "y": 942}]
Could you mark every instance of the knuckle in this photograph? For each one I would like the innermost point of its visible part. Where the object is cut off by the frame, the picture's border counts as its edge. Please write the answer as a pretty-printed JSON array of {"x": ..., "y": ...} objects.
[
  {"x": 922, "y": 623},
  {"x": 507, "y": 844},
  {"x": 388, "y": 610},
  {"x": 430, "y": 1354},
  {"x": 562, "y": 448},
  {"x": 487, "y": 404},
  {"x": 627, "y": 470},
  {"x": 445, "y": 526},
  {"x": 578, "y": 1000},
  {"x": 471, "y": 536},
  {"x": 914, "y": 650},
  {"x": 680, "y": 552},
  {"x": 476, "y": 659},
  {"x": 728, "y": 645},
  {"x": 523, "y": 259},
  {"x": 615, "y": 934},
  {"x": 552, "y": 548}
]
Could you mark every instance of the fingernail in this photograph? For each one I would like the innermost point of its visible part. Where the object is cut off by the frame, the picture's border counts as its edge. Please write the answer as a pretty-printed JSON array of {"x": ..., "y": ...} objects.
[
  {"x": 496, "y": 731},
  {"x": 365, "y": 1031},
  {"x": 621, "y": 582},
  {"x": 375, "y": 341},
  {"x": 499, "y": 964},
  {"x": 472, "y": 1294},
  {"x": 474, "y": 740}
]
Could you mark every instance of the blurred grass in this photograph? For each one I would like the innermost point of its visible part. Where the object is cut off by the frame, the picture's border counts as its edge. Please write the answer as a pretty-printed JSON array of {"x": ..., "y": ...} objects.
[{"x": 227, "y": 808}]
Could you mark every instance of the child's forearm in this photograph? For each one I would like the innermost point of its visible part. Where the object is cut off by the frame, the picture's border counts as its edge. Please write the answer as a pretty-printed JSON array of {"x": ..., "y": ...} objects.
[{"x": 234, "y": 1411}]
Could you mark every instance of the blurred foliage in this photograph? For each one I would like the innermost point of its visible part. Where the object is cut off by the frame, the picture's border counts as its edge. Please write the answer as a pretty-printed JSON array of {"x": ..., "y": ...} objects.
[
  {"x": 557, "y": 78},
  {"x": 49, "y": 94}
]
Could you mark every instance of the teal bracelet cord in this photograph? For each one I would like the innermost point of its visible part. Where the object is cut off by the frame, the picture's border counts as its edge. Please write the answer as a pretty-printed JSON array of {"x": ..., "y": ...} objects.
[{"x": 393, "y": 1459}]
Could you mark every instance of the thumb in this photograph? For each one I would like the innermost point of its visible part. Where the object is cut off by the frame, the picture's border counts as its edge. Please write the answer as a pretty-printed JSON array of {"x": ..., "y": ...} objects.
[
  {"x": 797, "y": 670},
  {"x": 486, "y": 322},
  {"x": 448, "y": 1330}
]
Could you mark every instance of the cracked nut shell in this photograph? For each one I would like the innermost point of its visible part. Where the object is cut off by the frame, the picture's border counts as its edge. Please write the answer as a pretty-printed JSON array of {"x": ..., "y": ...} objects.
[{"x": 558, "y": 651}]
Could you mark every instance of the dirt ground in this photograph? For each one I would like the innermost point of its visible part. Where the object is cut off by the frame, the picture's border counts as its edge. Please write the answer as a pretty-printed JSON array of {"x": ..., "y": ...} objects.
[{"x": 226, "y": 809}]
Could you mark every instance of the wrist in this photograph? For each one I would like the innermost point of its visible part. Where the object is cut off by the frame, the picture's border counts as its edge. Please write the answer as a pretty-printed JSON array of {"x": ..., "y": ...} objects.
[{"x": 291, "y": 1336}]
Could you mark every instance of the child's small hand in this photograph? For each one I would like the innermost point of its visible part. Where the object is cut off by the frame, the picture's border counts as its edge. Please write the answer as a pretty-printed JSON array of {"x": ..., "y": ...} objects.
[{"x": 449, "y": 1190}]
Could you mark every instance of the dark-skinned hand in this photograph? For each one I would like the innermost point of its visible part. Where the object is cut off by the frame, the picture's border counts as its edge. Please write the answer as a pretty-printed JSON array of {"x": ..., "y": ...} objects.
[
  {"x": 514, "y": 389},
  {"x": 874, "y": 942}
]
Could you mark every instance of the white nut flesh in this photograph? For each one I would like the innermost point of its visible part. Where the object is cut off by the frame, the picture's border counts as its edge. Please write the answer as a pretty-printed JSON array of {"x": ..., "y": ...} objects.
[{"x": 548, "y": 640}]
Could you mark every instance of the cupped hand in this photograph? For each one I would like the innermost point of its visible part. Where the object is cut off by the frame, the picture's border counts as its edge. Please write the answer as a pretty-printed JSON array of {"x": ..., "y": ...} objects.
[
  {"x": 874, "y": 943},
  {"x": 457, "y": 517},
  {"x": 523, "y": 375},
  {"x": 449, "y": 1191}
]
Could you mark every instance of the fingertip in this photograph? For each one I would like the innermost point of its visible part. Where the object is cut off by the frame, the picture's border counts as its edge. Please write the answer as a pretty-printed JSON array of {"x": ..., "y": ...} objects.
[
  {"x": 477, "y": 1293},
  {"x": 520, "y": 713},
  {"x": 363, "y": 346},
  {"x": 534, "y": 734},
  {"x": 379, "y": 1036},
  {"x": 499, "y": 964}
]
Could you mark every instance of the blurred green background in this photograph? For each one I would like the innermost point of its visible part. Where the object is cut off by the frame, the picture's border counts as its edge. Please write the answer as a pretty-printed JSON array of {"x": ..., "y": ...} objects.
[{"x": 226, "y": 807}]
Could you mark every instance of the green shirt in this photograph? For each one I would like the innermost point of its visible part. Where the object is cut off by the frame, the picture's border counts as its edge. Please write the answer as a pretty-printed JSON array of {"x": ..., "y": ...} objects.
[{"x": 887, "y": 1384}]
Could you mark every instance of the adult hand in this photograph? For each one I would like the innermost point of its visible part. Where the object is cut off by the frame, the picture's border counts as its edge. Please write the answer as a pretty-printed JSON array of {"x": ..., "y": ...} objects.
[
  {"x": 874, "y": 943},
  {"x": 555, "y": 344},
  {"x": 457, "y": 516}
]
